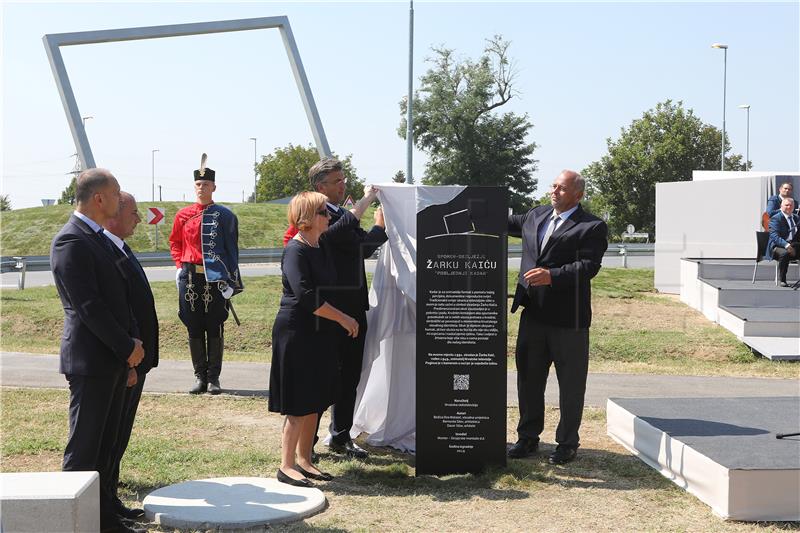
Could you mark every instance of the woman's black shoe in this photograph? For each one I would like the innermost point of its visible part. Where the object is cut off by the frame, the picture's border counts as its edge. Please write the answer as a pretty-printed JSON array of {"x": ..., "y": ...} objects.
[
  {"x": 283, "y": 478},
  {"x": 322, "y": 476}
]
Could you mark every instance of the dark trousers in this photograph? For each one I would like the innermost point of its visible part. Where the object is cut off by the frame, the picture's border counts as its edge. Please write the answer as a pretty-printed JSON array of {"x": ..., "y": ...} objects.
[
  {"x": 129, "y": 407},
  {"x": 95, "y": 411},
  {"x": 351, "y": 355},
  {"x": 783, "y": 258},
  {"x": 539, "y": 345},
  {"x": 201, "y": 307}
]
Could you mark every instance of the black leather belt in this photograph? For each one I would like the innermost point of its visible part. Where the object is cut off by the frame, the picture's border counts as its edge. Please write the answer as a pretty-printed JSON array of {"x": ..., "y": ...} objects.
[{"x": 191, "y": 267}]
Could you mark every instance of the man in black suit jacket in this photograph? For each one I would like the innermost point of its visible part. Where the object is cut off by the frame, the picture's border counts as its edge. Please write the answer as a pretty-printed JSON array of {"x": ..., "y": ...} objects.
[
  {"x": 784, "y": 234},
  {"x": 100, "y": 340},
  {"x": 562, "y": 248},
  {"x": 350, "y": 297},
  {"x": 142, "y": 302}
]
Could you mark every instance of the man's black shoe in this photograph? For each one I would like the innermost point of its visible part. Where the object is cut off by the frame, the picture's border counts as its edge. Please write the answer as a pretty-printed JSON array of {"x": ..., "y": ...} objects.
[
  {"x": 784, "y": 284},
  {"x": 349, "y": 448},
  {"x": 127, "y": 512},
  {"x": 562, "y": 456},
  {"x": 523, "y": 448}
]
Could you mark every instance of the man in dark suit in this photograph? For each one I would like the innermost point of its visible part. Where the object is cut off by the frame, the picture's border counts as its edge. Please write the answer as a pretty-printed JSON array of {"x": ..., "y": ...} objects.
[
  {"x": 350, "y": 297},
  {"x": 117, "y": 229},
  {"x": 774, "y": 201},
  {"x": 783, "y": 238},
  {"x": 100, "y": 340},
  {"x": 562, "y": 247}
]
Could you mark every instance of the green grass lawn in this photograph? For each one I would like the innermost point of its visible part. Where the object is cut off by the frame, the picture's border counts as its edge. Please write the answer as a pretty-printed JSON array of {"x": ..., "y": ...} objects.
[
  {"x": 30, "y": 231},
  {"x": 182, "y": 437},
  {"x": 634, "y": 329}
]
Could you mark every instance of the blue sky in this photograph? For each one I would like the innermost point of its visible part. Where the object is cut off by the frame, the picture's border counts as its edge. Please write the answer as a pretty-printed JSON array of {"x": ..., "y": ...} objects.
[{"x": 584, "y": 70}]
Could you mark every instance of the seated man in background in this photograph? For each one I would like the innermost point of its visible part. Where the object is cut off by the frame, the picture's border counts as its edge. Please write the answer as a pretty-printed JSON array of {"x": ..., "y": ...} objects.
[
  {"x": 783, "y": 241},
  {"x": 774, "y": 201}
]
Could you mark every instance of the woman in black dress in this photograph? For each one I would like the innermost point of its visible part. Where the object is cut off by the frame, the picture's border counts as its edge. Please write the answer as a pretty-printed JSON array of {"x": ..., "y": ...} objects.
[{"x": 303, "y": 374}]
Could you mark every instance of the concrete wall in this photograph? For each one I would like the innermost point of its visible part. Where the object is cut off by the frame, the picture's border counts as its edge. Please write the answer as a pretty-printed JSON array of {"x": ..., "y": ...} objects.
[{"x": 711, "y": 218}]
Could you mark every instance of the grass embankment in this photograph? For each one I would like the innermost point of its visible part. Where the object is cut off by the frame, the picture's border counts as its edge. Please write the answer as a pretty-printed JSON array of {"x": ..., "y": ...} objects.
[
  {"x": 180, "y": 437},
  {"x": 634, "y": 329},
  {"x": 30, "y": 231}
]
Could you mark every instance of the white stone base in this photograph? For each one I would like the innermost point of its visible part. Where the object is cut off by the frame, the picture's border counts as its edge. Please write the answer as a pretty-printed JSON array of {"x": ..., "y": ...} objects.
[
  {"x": 50, "y": 502},
  {"x": 231, "y": 503}
]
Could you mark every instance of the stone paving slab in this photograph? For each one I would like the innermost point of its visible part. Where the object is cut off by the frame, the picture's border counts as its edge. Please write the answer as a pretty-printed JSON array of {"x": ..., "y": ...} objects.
[
  {"x": 231, "y": 503},
  {"x": 251, "y": 379}
]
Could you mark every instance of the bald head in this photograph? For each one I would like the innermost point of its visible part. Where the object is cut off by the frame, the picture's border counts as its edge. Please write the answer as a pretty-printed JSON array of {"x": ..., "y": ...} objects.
[
  {"x": 97, "y": 194},
  {"x": 567, "y": 190},
  {"x": 124, "y": 223}
]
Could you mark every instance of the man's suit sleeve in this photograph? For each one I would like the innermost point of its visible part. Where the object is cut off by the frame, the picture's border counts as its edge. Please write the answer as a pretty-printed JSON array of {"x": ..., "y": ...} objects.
[
  {"x": 371, "y": 240},
  {"x": 515, "y": 223},
  {"x": 588, "y": 258},
  {"x": 74, "y": 266},
  {"x": 774, "y": 232},
  {"x": 773, "y": 205}
]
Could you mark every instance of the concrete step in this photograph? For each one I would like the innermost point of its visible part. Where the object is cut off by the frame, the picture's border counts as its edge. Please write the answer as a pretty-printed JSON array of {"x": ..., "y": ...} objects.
[
  {"x": 743, "y": 293},
  {"x": 776, "y": 348},
  {"x": 743, "y": 270},
  {"x": 760, "y": 321}
]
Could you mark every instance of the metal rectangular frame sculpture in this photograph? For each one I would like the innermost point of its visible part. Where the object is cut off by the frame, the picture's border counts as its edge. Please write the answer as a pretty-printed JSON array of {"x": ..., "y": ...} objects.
[{"x": 54, "y": 41}]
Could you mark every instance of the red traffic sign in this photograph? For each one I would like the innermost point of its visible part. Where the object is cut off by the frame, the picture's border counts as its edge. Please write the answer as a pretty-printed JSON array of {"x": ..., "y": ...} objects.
[{"x": 155, "y": 215}]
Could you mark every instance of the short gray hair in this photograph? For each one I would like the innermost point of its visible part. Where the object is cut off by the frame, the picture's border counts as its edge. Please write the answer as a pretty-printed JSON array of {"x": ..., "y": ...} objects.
[
  {"x": 580, "y": 181},
  {"x": 320, "y": 170},
  {"x": 91, "y": 181}
]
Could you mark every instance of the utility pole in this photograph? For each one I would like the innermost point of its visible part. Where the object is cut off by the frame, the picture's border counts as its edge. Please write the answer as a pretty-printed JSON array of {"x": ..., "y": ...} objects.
[{"x": 409, "y": 120}]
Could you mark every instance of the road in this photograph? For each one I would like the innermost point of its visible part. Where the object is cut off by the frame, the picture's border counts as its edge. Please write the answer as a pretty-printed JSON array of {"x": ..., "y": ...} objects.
[
  {"x": 251, "y": 379},
  {"x": 41, "y": 279}
]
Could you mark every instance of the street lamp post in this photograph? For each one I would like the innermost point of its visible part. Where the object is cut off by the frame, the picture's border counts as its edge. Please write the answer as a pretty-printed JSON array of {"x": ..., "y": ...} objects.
[
  {"x": 747, "y": 150},
  {"x": 153, "y": 174},
  {"x": 255, "y": 163},
  {"x": 724, "y": 48}
]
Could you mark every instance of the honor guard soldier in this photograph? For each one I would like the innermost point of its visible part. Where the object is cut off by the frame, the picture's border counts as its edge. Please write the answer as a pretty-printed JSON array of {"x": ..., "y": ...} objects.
[{"x": 204, "y": 246}]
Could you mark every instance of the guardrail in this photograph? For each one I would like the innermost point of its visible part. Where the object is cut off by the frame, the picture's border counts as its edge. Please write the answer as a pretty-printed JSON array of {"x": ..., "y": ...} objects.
[{"x": 41, "y": 263}]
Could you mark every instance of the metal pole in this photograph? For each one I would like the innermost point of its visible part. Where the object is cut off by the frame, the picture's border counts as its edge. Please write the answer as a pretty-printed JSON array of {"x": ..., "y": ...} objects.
[
  {"x": 724, "y": 95},
  {"x": 153, "y": 174},
  {"x": 747, "y": 150},
  {"x": 159, "y": 194},
  {"x": 409, "y": 119},
  {"x": 153, "y": 188},
  {"x": 255, "y": 162}
]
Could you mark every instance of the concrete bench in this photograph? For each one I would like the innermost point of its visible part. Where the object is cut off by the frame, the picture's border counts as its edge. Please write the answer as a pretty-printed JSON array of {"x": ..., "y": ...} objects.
[{"x": 49, "y": 502}]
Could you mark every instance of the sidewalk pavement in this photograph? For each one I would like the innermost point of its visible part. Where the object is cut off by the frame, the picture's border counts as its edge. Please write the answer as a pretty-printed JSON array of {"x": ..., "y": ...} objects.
[{"x": 251, "y": 379}]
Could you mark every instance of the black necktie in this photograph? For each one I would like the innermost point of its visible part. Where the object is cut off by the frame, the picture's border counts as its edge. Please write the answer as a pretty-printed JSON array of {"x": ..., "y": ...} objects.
[
  {"x": 106, "y": 242},
  {"x": 133, "y": 261}
]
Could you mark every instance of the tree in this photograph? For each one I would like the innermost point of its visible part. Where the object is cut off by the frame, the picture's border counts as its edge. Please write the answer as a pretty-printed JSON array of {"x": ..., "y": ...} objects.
[
  {"x": 666, "y": 144},
  {"x": 285, "y": 173},
  {"x": 456, "y": 122},
  {"x": 68, "y": 195},
  {"x": 399, "y": 177},
  {"x": 5, "y": 203}
]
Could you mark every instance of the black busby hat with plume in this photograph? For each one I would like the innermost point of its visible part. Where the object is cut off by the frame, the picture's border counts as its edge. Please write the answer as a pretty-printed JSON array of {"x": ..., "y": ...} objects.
[{"x": 204, "y": 173}]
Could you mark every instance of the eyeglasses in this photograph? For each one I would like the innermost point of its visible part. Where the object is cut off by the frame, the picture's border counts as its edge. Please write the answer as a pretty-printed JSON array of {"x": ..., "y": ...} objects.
[
  {"x": 323, "y": 213},
  {"x": 335, "y": 182}
]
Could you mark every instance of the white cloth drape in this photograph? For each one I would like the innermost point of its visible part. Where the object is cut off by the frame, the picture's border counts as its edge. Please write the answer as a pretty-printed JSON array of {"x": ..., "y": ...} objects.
[{"x": 386, "y": 400}]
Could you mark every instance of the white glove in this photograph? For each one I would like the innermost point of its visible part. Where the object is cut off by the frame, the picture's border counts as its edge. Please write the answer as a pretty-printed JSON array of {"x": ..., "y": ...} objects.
[
  {"x": 226, "y": 290},
  {"x": 177, "y": 279}
]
